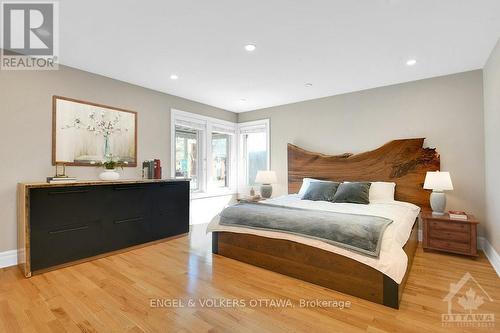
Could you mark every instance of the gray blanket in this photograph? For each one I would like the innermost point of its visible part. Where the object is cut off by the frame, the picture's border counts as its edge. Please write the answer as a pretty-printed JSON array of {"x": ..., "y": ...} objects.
[{"x": 360, "y": 233}]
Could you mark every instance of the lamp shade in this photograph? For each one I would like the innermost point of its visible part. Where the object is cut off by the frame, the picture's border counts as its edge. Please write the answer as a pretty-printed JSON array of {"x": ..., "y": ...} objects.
[
  {"x": 266, "y": 177},
  {"x": 437, "y": 180}
]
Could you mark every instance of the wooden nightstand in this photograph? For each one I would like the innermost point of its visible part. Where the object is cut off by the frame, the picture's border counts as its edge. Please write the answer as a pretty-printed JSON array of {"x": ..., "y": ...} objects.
[{"x": 444, "y": 234}]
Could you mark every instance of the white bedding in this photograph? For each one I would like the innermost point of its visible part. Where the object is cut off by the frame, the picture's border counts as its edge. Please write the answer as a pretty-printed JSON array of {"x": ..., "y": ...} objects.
[{"x": 392, "y": 260}]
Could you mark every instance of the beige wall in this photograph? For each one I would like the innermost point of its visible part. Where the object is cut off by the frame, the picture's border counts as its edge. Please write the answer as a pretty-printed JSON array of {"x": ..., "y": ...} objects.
[
  {"x": 492, "y": 146},
  {"x": 25, "y": 127},
  {"x": 447, "y": 110}
]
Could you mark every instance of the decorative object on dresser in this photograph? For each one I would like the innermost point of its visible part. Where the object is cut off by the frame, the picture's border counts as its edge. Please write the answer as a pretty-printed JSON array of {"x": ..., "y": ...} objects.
[
  {"x": 60, "y": 170},
  {"x": 266, "y": 178},
  {"x": 62, "y": 224},
  {"x": 442, "y": 233},
  {"x": 110, "y": 165},
  {"x": 83, "y": 132},
  {"x": 60, "y": 176},
  {"x": 438, "y": 182},
  {"x": 157, "y": 169},
  {"x": 151, "y": 169}
]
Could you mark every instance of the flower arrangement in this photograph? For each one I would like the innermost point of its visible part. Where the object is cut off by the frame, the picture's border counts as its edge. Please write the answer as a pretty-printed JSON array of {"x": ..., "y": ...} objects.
[
  {"x": 99, "y": 126},
  {"x": 110, "y": 164}
]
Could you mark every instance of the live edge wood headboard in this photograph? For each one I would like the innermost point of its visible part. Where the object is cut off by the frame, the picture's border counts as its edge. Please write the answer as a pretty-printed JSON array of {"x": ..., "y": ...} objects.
[{"x": 404, "y": 162}]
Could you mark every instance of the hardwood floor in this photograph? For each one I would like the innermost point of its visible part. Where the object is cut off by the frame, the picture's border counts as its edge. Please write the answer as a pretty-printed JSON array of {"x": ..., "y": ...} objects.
[{"x": 129, "y": 292}]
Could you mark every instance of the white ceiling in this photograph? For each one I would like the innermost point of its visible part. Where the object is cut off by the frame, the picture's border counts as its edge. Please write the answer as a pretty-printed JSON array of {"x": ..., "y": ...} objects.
[{"x": 337, "y": 45}]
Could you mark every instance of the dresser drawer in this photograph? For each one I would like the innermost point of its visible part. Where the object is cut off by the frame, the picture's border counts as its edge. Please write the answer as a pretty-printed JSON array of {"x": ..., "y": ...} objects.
[
  {"x": 131, "y": 201},
  {"x": 167, "y": 224},
  {"x": 58, "y": 245},
  {"x": 172, "y": 210},
  {"x": 449, "y": 226},
  {"x": 172, "y": 196},
  {"x": 448, "y": 235},
  {"x": 62, "y": 206},
  {"x": 449, "y": 245},
  {"x": 125, "y": 232}
]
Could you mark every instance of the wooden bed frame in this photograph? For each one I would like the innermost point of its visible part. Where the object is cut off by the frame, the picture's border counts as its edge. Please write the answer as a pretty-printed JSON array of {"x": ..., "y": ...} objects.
[{"x": 404, "y": 162}]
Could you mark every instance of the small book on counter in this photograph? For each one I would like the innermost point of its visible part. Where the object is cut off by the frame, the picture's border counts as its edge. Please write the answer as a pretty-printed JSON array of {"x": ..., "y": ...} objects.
[
  {"x": 457, "y": 215},
  {"x": 60, "y": 180}
]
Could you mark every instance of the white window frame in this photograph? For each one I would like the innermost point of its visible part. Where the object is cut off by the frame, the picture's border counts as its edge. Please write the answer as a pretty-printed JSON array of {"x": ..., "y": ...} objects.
[
  {"x": 200, "y": 137},
  {"x": 209, "y": 125},
  {"x": 257, "y": 125}
]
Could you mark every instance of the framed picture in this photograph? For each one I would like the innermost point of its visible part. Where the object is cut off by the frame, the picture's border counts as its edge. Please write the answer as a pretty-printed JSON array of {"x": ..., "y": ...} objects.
[{"x": 84, "y": 133}]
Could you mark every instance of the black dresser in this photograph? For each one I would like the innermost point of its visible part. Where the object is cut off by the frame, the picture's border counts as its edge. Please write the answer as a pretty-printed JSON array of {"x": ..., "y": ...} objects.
[{"x": 63, "y": 223}]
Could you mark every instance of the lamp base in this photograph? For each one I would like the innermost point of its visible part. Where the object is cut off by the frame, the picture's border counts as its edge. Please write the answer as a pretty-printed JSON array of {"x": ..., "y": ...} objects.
[
  {"x": 266, "y": 190},
  {"x": 438, "y": 213},
  {"x": 438, "y": 202}
]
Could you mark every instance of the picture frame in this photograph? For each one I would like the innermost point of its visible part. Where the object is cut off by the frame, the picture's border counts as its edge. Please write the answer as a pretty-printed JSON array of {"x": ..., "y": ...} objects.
[{"x": 84, "y": 133}]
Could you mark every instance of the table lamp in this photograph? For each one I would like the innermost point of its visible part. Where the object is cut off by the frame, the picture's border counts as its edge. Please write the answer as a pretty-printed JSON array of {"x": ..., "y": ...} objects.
[
  {"x": 266, "y": 178},
  {"x": 438, "y": 182}
]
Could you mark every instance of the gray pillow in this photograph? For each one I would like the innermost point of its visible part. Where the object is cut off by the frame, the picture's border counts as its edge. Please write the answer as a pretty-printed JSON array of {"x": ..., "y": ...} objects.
[
  {"x": 356, "y": 192},
  {"x": 321, "y": 191}
]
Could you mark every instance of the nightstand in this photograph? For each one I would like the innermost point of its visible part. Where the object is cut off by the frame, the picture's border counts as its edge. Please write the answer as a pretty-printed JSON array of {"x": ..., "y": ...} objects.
[{"x": 448, "y": 235}]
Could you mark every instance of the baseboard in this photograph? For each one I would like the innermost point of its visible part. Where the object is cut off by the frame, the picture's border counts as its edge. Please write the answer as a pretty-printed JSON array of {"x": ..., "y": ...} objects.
[
  {"x": 490, "y": 253},
  {"x": 8, "y": 258}
]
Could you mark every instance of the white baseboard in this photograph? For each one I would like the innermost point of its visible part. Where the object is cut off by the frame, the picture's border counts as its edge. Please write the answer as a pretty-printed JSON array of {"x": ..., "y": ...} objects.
[
  {"x": 490, "y": 253},
  {"x": 8, "y": 258}
]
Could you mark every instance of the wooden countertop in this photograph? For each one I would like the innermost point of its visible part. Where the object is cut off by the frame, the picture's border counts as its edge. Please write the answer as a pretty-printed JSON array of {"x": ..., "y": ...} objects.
[{"x": 99, "y": 182}]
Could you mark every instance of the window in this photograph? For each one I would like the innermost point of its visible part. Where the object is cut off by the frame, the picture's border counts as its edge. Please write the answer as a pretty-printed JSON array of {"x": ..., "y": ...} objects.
[
  {"x": 220, "y": 159},
  {"x": 187, "y": 155},
  {"x": 204, "y": 149},
  {"x": 254, "y": 151}
]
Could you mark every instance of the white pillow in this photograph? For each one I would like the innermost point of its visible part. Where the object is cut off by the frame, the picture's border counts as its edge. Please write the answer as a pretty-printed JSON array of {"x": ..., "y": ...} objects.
[
  {"x": 381, "y": 192},
  {"x": 305, "y": 185}
]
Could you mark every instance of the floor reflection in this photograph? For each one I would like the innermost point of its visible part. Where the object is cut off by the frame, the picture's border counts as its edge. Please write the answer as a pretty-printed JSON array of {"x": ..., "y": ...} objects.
[
  {"x": 200, "y": 257},
  {"x": 199, "y": 241}
]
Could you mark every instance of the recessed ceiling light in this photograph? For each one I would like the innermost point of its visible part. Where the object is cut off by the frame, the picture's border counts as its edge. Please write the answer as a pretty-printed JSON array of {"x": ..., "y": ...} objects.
[
  {"x": 250, "y": 47},
  {"x": 173, "y": 77},
  {"x": 308, "y": 85},
  {"x": 243, "y": 100},
  {"x": 411, "y": 62}
]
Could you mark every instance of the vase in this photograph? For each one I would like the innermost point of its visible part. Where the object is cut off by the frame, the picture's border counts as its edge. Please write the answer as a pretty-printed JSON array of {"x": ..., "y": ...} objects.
[
  {"x": 109, "y": 174},
  {"x": 107, "y": 148}
]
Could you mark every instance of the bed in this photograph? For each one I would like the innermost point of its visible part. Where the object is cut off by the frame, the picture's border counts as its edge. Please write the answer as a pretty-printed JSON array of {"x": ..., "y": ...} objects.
[{"x": 380, "y": 280}]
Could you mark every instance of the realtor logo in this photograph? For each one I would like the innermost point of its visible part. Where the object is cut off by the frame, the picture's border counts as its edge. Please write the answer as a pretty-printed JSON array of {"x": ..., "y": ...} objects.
[
  {"x": 464, "y": 300},
  {"x": 29, "y": 35}
]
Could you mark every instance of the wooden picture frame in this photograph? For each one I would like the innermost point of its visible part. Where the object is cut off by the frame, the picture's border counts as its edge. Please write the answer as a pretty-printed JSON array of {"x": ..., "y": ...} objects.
[{"x": 77, "y": 153}]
